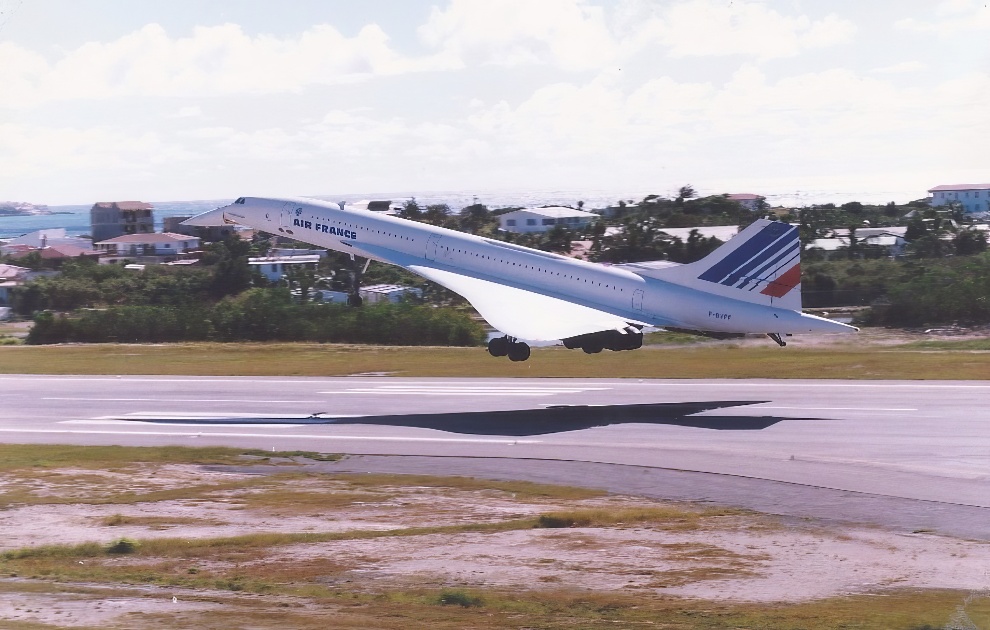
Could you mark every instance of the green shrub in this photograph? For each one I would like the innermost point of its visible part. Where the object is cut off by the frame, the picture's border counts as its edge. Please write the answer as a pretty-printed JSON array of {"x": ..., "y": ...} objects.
[
  {"x": 450, "y": 597},
  {"x": 123, "y": 546},
  {"x": 262, "y": 315}
]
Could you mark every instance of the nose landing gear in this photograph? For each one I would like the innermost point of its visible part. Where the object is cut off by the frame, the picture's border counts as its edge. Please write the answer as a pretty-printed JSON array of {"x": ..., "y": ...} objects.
[
  {"x": 508, "y": 346},
  {"x": 356, "y": 271}
]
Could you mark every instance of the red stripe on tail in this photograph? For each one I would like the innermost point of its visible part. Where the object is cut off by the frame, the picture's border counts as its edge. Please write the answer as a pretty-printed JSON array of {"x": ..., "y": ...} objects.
[{"x": 783, "y": 284}]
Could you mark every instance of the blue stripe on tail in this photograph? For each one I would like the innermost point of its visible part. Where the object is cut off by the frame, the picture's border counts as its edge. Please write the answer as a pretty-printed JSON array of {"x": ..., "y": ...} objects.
[{"x": 767, "y": 248}]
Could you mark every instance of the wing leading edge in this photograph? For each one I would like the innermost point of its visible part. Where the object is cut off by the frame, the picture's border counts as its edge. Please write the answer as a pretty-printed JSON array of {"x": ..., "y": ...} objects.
[{"x": 524, "y": 314}]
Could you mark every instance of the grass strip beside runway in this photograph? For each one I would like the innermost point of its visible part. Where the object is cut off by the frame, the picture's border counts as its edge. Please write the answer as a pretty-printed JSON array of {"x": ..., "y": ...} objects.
[{"x": 944, "y": 361}]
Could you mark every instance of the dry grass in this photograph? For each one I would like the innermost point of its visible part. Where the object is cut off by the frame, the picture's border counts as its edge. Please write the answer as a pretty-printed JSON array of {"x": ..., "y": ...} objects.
[
  {"x": 279, "y": 501},
  {"x": 545, "y": 609},
  {"x": 662, "y": 517},
  {"x": 51, "y": 456},
  {"x": 156, "y": 523},
  {"x": 706, "y": 361},
  {"x": 523, "y": 490},
  {"x": 27, "y": 494}
]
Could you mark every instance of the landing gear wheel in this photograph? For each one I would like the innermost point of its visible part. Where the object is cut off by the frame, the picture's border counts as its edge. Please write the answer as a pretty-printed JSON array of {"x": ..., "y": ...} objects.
[
  {"x": 593, "y": 348},
  {"x": 777, "y": 339},
  {"x": 498, "y": 346},
  {"x": 518, "y": 351}
]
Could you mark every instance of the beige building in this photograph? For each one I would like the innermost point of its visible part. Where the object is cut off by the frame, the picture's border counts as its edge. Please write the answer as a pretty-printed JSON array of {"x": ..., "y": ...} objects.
[
  {"x": 747, "y": 200},
  {"x": 110, "y": 219}
]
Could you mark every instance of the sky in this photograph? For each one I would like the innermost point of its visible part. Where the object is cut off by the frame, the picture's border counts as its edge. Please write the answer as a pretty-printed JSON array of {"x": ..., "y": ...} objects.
[{"x": 800, "y": 100}]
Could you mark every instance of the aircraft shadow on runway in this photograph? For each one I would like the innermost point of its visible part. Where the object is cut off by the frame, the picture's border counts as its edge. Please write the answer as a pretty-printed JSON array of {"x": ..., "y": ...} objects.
[{"x": 527, "y": 422}]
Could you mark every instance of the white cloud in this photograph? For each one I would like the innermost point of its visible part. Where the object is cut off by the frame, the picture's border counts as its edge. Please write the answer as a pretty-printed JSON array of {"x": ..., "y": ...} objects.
[
  {"x": 575, "y": 35},
  {"x": 707, "y": 28},
  {"x": 568, "y": 115},
  {"x": 212, "y": 61},
  {"x": 955, "y": 7},
  {"x": 29, "y": 151},
  {"x": 190, "y": 111},
  {"x": 570, "y": 34},
  {"x": 951, "y": 18},
  {"x": 832, "y": 123},
  {"x": 903, "y": 67}
]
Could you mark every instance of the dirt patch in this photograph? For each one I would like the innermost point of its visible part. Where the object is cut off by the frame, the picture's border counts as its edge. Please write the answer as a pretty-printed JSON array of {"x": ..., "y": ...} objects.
[
  {"x": 89, "y": 609},
  {"x": 726, "y": 563},
  {"x": 716, "y": 556}
]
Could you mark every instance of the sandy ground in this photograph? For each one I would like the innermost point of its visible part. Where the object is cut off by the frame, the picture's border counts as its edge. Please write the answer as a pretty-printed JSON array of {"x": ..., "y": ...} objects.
[
  {"x": 726, "y": 564},
  {"x": 737, "y": 557}
]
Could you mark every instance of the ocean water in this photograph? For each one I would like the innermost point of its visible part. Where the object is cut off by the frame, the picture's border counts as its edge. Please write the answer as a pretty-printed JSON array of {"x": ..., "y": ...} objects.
[{"x": 75, "y": 219}]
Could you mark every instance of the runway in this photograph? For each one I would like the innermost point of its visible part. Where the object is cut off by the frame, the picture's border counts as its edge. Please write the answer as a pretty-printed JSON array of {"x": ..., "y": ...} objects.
[{"x": 907, "y": 454}]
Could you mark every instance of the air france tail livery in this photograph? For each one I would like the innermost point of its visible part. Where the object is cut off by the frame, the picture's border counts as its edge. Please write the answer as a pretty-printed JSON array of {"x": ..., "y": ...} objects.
[{"x": 752, "y": 284}]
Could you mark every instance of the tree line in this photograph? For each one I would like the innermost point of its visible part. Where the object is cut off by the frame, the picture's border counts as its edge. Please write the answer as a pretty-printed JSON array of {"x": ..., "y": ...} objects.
[
  {"x": 941, "y": 280},
  {"x": 261, "y": 314},
  {"x": 223, "y": 301}
]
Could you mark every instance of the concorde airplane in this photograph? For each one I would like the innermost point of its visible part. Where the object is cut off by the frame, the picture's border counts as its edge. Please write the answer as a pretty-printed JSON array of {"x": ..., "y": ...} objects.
[{"x": 751, "y": 284}]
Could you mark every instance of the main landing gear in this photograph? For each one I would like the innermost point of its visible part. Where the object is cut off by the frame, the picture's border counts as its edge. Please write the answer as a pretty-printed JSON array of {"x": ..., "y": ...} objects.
[
  {"x": 508, "y": 346},
  {"x": 594, "y": 343}
]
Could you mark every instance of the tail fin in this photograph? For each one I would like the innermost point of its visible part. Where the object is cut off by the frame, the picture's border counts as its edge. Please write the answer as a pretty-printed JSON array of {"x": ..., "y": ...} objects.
[{"x": 761, "y": 264}]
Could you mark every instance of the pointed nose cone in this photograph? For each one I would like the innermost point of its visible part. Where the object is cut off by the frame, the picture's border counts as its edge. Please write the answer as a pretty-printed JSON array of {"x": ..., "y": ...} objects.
[{"x": 209, "y": 219}]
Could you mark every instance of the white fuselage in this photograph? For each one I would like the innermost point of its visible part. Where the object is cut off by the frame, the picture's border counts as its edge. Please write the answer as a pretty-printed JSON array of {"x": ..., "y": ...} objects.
[{"x": 613, "y": 290}]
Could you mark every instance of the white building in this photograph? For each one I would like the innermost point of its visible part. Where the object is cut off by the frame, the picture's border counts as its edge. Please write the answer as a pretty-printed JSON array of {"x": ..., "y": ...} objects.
[
  {"x": 890, "y": 239},
  {"x": 370, "y": 295},
  {"x": 721, "y": 232},
  {"x": 544, "y": 219},
  {"x": 288, "y": 252},
  {"x": 975, "y": 198},
  {"x": 165, "y": 244},
  {"x": 328, "y": 296},
  {"x": 388, "y": 293},
  {"x": 274, "y": 268},
  {"x": 50, "y": 237},
  {"x": 10, "y": 277}
]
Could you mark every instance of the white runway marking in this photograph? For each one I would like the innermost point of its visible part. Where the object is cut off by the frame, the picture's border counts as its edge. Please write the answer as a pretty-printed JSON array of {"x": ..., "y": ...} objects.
[
  {"x": 415, "y": 389},
  {"x": 311, "y": 436},
  {"x": 891, "y": 409},
  {"x": 191, "y": 400},
  {"x": 186, "y": 419},
  {"x": 176, "y": 423}
]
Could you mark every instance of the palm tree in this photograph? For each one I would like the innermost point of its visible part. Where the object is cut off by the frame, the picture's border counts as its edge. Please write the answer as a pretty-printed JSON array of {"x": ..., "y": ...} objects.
[{"x": 686, "y": 192}]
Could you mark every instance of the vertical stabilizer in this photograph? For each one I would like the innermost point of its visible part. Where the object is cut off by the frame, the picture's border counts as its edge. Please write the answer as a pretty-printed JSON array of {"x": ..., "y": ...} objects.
[{"x": 761, "y": 264}]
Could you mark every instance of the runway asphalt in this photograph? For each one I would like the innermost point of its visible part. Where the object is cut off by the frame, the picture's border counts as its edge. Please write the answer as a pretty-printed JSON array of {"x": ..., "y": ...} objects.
[{"x": 914, "y": 455}]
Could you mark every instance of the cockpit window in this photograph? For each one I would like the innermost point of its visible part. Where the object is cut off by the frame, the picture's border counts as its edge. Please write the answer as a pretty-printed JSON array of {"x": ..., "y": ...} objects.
[{"x": 240, "y": 200}]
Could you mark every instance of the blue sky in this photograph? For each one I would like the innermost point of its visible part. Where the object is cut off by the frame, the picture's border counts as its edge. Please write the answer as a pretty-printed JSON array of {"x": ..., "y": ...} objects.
[{"x": 797, "y": 99}]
